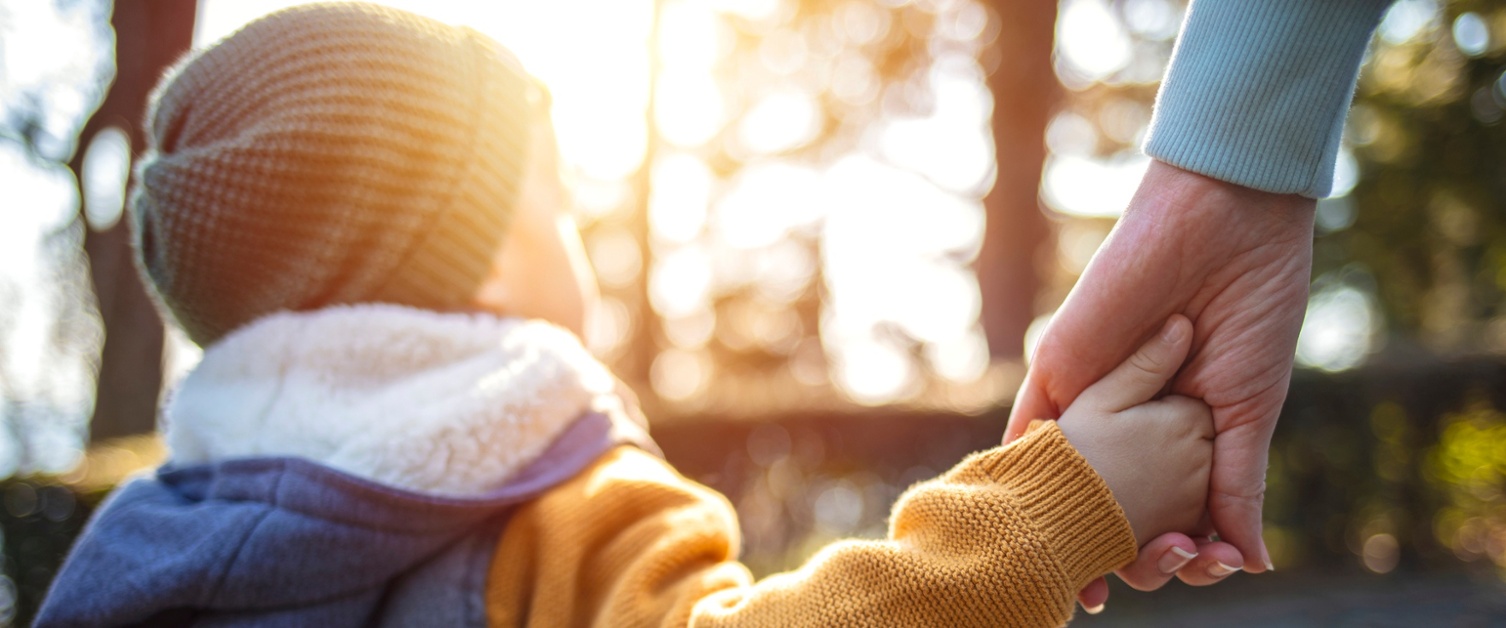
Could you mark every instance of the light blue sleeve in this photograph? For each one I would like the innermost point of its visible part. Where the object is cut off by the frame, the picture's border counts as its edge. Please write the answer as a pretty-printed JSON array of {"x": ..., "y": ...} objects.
[{"x": 1257, "y": 90}]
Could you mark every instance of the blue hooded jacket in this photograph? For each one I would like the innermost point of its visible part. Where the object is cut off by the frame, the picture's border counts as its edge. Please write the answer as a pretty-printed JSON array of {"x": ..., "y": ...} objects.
[
  {"x": 288, "y": 542},
  {"x": 348, "y": 467}
]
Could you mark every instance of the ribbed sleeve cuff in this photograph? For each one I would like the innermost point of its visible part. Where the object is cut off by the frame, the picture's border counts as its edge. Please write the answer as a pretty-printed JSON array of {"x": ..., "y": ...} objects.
[
  {"x": 1257, "y": 91},
  {"x": 1060, "y": 494}
]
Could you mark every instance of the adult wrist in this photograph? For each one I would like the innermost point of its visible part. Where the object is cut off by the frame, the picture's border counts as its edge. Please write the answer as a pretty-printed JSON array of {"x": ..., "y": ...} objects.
[{"x": 1190, "y": 222}]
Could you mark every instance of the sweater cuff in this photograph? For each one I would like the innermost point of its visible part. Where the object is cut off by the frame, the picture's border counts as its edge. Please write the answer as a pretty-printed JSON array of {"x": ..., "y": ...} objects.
[
  {"x": 1066, "y": 501},
  {"x": 1257, "y": 91}
]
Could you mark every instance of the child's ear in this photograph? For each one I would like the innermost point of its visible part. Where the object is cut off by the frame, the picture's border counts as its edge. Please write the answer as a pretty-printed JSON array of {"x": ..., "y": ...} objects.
[{"x": 1145, "y": 374}]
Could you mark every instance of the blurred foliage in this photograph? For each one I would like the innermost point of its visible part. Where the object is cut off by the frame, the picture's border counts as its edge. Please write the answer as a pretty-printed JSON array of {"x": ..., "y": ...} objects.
[
  {"x": 41, "y": 515},
  {"x": 40, "y": 520},
  {"x": 1355, "y": 485},
  {"x": 1426, "y": 220},
  {"x": 50, "y": 330},
  {"x": 1468, "y": 465},
  {"x": 730, "y": 305}
]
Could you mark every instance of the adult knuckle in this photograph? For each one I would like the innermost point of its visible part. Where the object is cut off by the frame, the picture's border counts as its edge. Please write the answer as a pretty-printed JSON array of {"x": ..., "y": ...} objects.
[{"x": 1254, "y": 495}]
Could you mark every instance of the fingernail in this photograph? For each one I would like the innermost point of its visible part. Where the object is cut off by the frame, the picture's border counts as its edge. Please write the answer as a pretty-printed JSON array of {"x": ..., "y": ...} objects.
[
  {"x": 1219, "y": 570},
  {"x": 1171, "y": 332},
  {"x": 1266, "y": 553},
  {"x": 1174, "y": 560},
  {"x": 1093, "y": 610}
]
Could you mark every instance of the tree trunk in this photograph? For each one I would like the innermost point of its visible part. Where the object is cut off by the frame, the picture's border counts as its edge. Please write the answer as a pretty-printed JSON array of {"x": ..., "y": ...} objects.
[
  {"x": 149, "y": 36},
  {"x": 1017, "y": 237}
]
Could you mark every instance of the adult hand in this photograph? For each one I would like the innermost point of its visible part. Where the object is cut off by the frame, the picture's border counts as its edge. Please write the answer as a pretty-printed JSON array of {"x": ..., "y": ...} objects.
[{"x": 1235, "y": 261}]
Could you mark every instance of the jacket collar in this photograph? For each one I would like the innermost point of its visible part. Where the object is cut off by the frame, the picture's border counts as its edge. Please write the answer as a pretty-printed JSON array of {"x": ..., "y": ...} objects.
[{"x": 448, "y": 404}]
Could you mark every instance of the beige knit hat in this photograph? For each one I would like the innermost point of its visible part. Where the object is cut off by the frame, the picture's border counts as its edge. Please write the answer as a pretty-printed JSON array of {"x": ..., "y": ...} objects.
[{"x": 329, "y": 154}]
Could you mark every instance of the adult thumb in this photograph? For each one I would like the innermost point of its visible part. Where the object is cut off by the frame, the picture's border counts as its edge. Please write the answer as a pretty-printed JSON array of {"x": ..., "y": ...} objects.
[
  {"x": 1030, "y": 403},
  {"x": 1141, "y": 377}
]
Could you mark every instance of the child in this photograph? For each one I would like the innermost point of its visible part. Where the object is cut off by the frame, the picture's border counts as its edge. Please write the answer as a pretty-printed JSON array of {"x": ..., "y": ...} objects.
[{"x": 356, "y": 212}]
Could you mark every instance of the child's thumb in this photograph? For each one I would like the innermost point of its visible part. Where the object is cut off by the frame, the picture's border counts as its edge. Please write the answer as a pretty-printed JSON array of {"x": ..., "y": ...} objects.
[{"x": 1141, "y": 377}]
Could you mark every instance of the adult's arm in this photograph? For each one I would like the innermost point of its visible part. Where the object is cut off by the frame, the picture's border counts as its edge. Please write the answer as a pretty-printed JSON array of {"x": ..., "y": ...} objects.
[
  {"x": 1257, "y": 91},
  {"x": 1245, "y": 134}
]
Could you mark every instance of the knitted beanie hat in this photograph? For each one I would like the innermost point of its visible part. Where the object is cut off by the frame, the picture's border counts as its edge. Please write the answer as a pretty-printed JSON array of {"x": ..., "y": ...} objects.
[{"x": 329, "y": 154}]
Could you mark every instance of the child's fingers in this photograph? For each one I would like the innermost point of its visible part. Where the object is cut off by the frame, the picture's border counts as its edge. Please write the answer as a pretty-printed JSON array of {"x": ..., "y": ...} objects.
[
  {"x": 1185, "y": 412},
  {"x": 1141, "y": 377},
  {"x": 1093, "y": 596}
]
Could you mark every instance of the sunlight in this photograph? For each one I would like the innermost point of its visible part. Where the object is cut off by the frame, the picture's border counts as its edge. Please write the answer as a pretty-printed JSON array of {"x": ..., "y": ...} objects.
[
  {"x": 1471, "y": 34},
  {"x": 689, "y": 107},
  {"x": 596, "y": 70},
  {"x": 951, "y": 146},
  {"x": 680, "y": 282},
  {"x": 1407, "y": 18},
  {"x": 680, "y": 191},
  {"x": 107, "y": 169},
  {"x": 1092, "y": 41},
  {"x": 616, "y": 257},
  {"x": 895, "y": 239},
  {"x": 49, "y": 199},
  {"x": 1339, "y": 330},
  {"x": 780, "y": 121},
  {"x": 1153, "y": 19},
  {"x": 767, "y": 201},
  {"x": 678, "y": 374},
  {"x": 888, "y": 250},
  {"x": 1092, "y": 187},
  {"x": 961, "y": 358},
  {"x": 59, "y": 56},
  {"x": 873, "y": 372}
]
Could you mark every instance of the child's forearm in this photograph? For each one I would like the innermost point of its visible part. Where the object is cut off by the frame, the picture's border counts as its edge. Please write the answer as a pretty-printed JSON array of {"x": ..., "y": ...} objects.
[{"x": 1005, "y": 538}]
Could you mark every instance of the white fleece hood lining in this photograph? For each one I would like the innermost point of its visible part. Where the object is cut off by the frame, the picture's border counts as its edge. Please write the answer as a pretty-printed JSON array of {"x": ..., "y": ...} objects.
[{"x": 451, "y": 404}]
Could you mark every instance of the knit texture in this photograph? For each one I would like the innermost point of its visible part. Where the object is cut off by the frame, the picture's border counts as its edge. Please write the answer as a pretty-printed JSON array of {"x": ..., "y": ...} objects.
[
  {"x": 1006, "y": 538},
  {"x": 329, "y": 154},
  {"x": 1257, "y": 90}
]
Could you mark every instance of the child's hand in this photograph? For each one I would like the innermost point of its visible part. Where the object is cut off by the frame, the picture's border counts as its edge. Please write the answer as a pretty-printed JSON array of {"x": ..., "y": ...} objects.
[{"x": 1155, "y": 454}]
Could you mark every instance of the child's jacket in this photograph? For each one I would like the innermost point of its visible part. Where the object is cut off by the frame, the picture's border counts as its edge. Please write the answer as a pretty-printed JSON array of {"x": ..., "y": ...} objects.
[{"x": 376, "y": 465}]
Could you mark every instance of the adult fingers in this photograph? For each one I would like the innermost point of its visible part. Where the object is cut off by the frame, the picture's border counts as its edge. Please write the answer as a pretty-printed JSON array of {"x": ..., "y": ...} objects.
[
  {"x": 1215, "y": 561},
  {"x": 1159, "y": 561},
  {"x": 1030, "y": 403},
  {"x": 1237, "y": 490},
  {"x": 1141, "y": 377}
]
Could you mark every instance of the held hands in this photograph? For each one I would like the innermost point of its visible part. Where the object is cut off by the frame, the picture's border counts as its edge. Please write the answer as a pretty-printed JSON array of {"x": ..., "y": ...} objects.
[
  {"x": 1236, "y": 262},
  {"x": 1154, "y": 454}
]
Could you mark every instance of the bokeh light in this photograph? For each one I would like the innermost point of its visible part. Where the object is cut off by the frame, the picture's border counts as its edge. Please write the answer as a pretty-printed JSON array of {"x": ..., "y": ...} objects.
[
  {"x": 784, "y": 204},
  {"x": 1340, "y": 329}
]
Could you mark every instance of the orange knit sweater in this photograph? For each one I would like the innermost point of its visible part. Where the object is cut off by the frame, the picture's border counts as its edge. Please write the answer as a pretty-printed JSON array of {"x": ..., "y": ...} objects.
[{"x": 1006, "y": 538}]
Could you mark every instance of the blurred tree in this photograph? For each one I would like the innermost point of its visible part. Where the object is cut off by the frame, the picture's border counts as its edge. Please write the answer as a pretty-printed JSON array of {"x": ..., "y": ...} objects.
[
  {"x": 149, "y": 36},
  {"x": 1025, "y": 94}
]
